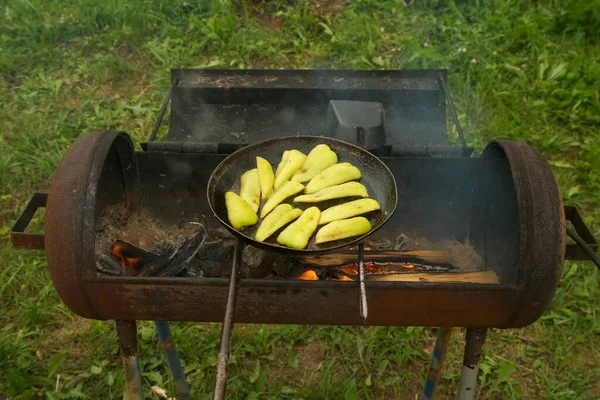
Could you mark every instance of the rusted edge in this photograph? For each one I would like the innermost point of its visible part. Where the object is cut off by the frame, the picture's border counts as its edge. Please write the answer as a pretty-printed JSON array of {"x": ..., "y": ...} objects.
[{"x": 542, "y": 230}]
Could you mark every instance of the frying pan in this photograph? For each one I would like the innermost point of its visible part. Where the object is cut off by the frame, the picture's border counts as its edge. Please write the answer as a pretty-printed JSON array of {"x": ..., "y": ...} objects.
[{"x": 376, "y": 176}]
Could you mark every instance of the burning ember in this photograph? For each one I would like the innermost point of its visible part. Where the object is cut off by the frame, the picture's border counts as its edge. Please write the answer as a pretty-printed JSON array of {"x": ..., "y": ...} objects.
[
  {"x": 341, "y": 278},
  {"x": 349, "y": 272},
  {"x": 309, "y": 275},
  {"x": 378, "y": 268},
  {"x": 130, "y": 257},
  {"x": 130, "y": 260}
]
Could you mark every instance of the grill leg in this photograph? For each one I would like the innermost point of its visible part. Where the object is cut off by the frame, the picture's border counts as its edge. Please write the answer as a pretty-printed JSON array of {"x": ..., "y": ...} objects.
[
  {"x": 166, "y": 338},
  {"x": 468, "y": 378},
  {"x": 437, "y": 363},
  {"x": 127, "y": 331}
]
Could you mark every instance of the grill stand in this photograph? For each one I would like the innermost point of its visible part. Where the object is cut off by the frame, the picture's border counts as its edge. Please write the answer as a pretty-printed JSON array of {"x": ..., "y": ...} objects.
[
  {"x": 468, "y": 378},
  {"x": 437, "y": 363},
  {"x": 127, "y": 332},
  {"x": 166, "y": 338}
]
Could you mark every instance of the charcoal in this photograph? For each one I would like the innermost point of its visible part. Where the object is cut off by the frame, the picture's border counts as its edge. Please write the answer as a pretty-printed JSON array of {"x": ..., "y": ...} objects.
[
  {"x": 252, "y": 257},
  {"x": 176, "y": 258},
  {"x": 380, "y": 244},
  {"x": 108, "y": 266},
  {"x": 285, "y": 267},
  {"x": 213, "y": 269},
  {"x": 220, "y": 250}
]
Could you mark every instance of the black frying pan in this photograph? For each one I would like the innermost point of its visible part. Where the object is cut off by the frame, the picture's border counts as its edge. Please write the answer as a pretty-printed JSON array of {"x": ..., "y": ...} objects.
[{"x": 376, "y": 176}]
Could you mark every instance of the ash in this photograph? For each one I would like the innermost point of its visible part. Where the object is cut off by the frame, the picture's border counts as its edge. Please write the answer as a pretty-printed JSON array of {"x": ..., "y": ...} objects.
[
  {"x": 462, "y": 254},
  {"x": 140, "y": 229},
  {"x": 214, "y": 258}
]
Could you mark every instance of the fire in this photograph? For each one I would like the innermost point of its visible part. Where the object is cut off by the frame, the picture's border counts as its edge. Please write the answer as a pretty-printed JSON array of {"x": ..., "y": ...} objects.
[
  {"x": 309, "y": 275},
  {"x": 375, "y": 268},
  {"x": 350, "y": 269},
  {"x": 349, "y": 272},
  {"x": 120, "y": 252},
  {"x": 342, "y": 278}
]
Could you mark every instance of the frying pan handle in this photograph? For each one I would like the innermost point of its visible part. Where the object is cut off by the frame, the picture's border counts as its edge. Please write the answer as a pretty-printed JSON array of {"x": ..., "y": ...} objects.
[
  {"x": 19, "y": 238},
  {"x": 578, "y": 251}
]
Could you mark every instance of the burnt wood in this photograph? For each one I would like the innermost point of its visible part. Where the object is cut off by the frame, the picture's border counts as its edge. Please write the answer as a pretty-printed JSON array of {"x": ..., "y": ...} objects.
[{"x": 344, "y": 257}]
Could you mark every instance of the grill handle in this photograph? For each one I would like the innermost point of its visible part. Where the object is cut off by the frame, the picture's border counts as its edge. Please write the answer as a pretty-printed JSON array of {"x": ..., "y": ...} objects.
[
  {"x": 577, "y": 251},
  {"x": 18, "y": 237}
]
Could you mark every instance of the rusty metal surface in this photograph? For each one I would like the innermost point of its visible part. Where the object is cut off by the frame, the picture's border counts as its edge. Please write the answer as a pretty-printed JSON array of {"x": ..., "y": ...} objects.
[
  {"x": 127, "y": 332},
  {"x": 305, "y": 302},
  {"x": 175, "y": 189},
  {"x": 475, "y": 339},
  {"x": 19, "y": 238},
  {"x": 376, "y": 176},
  {"x": 542, "y": 229},
  {"x": 71, "y": 212}
]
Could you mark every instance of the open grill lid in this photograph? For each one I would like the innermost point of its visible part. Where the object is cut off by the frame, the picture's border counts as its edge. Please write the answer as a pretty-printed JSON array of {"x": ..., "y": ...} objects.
[{"x": 386, "y": 112}]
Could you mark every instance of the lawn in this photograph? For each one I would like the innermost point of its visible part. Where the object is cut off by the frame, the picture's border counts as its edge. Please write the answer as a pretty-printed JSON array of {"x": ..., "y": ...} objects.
[{"x": 518, "y": 69}]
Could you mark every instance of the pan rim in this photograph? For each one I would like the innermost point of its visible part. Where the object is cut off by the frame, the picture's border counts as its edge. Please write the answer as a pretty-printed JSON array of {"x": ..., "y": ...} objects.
[{"x": 212, "y": 183}]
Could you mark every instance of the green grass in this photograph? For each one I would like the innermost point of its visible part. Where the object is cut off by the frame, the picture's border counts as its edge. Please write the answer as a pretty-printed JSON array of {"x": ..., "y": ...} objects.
[{"x": 529, "y": 71}]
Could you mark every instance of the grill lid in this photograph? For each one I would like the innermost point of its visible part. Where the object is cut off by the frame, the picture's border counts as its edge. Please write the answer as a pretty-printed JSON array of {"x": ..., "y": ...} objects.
[{"x": 386, "y": 112}]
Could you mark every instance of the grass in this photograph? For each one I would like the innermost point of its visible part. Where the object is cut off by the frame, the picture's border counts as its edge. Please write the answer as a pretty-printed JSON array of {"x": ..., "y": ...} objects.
[{"x": 521, "y": 70}]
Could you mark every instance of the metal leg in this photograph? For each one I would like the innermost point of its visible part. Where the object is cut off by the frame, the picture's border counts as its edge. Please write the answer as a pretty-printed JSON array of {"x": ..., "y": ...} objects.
[
  {"x": 166, "y": 338},
  {"x": 127, "y": 331},
  {"x": 223, "y": 360},
  {"x": 468, "y": 378},
  {"x": 362, "y": 290},
  {"x": 437, "y": 363}
]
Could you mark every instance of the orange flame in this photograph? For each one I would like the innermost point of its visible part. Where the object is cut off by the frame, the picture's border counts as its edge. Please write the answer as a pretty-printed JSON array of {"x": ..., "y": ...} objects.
[
  {"x": 342, "y": 278},
  {"x": 309, "y": 275},
  {"x": 350, "y": 269},
  {"x": 120, "y": 253}
]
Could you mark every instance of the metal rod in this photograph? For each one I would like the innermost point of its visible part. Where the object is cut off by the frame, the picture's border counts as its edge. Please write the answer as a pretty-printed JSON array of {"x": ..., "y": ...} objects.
[
  {"x": 162, "y": 112},
  {"x": 437, "y": 363},
  {"x": 448, "y": 96},
  {"x": 127, "y": 332},
  {"x": 226, "y": 333},
  {"x": 588, "y": 250},
  {"x": 468, "y": 377},
  {"x": 166, "y": 338},
  {"x": 364, "y": 309}
]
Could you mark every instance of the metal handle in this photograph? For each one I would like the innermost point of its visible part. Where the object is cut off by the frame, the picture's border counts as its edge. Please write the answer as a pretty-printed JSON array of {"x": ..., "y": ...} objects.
[
  {"x": 19, "y": 238},
  {"x": 576, "y": 251}
]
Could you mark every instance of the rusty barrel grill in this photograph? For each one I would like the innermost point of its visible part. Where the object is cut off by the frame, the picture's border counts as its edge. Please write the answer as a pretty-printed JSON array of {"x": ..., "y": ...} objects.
[{"x": 505, "y": 205}]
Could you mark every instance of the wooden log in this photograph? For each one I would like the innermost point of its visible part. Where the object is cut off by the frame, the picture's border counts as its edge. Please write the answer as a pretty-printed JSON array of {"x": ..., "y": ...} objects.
[
  {"x": 348, "y": 256},
  {"x": 488, "y": 277}
]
